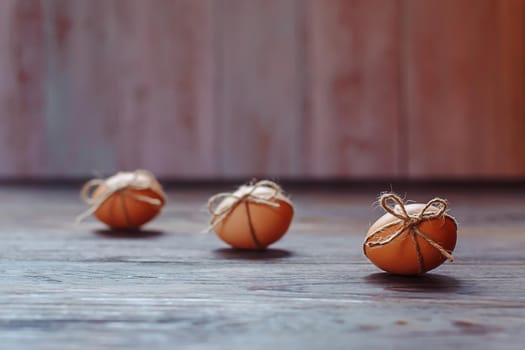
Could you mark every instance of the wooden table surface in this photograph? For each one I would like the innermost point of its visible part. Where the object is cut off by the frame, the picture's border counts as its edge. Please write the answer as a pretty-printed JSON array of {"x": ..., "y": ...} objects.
[{"x": 67, "y": 286}]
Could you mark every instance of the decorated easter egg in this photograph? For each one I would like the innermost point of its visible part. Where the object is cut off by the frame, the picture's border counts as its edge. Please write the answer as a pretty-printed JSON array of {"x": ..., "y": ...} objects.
[
  {"x": 253, "y": 217},
  {"x": 126, "y": 200},
  {"x": 411, "y": 239}
]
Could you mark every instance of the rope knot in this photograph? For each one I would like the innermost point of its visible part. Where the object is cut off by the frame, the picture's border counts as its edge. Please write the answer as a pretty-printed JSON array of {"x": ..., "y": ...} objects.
[{"x": 413, "y": 221}]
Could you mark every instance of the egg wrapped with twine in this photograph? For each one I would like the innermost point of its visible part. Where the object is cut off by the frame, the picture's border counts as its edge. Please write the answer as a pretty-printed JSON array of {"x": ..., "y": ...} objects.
[
  {"x": 253, "y": 217},
  {"x": 411, "y": 239},
  {"x": 126, "y": 200}
]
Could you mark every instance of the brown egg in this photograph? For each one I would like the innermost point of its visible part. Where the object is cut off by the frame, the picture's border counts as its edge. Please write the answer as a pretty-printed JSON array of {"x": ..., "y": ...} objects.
[
  {"x": 400, "y": 255},
  {"x": 249, "y": 224},
  {"x": 127, "y": 200}
]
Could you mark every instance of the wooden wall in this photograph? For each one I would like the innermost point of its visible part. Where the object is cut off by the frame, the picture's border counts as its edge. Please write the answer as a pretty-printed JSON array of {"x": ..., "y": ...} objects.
[{"x": 281, "y": 88}]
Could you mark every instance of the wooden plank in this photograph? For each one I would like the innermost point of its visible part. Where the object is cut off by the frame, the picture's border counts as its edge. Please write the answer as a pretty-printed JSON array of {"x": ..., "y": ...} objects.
[
  {"x": 79, "y": 287},
  {"x": 353, "y": 95},
  {"x": 168, "y": 101},
  {"x": 131, "y": 85},
  {"x": 259, "y": 88},
  {"x": 80, "y": 89},
  {"x": 22, "y": 136},
  {"x": 508, "y": 153},
  {"x": 465, "y": 86}
]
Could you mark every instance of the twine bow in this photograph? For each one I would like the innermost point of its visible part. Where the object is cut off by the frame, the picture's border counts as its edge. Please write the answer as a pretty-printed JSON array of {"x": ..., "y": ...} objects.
[
  {"x": 222, "y": 204},
  {"x": 120, "y": 187},
  {"x": 434, "y": 209}
]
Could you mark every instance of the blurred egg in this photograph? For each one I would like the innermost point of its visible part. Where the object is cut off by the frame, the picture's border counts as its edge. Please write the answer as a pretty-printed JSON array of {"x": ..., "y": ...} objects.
[
  {"x": 252, "y": 225},
  {"x": 133, "y": 199},
  {"x": 400, "y": 255}
]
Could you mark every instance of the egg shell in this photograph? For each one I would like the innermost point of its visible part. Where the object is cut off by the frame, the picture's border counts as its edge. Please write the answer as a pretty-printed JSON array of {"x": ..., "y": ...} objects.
[
  {"x": 122, "y": 210},
  {"x": 400, "y": 255},
  {"x": 269, "y": 223}
]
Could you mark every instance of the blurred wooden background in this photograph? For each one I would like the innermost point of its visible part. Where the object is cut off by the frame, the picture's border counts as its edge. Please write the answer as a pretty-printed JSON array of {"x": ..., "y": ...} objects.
[{"x": 239, "y": 88}]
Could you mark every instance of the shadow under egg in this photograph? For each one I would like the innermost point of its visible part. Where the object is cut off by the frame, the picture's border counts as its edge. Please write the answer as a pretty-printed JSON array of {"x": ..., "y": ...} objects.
[
  {"x": 245, "y": 254},
  {"x": 421, "y": 283},
  {"x": 129, "y": 233}
]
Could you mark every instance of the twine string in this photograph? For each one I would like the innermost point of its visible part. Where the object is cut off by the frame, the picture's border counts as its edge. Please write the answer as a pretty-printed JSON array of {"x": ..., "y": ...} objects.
[
  {"x": 420, "y": 259},
  {"x": 258, "y": 245},
  {"x": 95, "y": 202},
  {"x": 219, "y": 209},
  {"x": 394, "y": 205}
]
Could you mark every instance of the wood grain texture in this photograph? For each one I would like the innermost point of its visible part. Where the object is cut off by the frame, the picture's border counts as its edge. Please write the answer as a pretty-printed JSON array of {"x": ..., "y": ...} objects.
[
  {"x": 259, "y": 88},
  {"x": 81, "y": 106},
  {"x": 80, "y": 287},
  {"x": 353, "y": 95},
  {"x": 22, "y": 124},
  {"x": 275, "y": 88},
  {"x": 134, "y": 84},
  {"x": 465, "y": 86}
]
